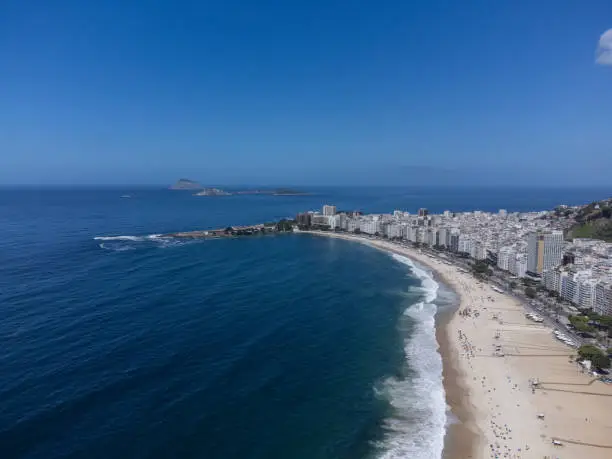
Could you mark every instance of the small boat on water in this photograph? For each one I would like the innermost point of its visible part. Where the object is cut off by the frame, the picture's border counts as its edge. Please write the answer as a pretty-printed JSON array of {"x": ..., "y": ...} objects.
[{"x": 126, "y": 196}]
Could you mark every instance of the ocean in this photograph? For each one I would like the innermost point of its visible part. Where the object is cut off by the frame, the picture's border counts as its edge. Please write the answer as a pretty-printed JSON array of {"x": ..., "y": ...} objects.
[{"x": 116, "y": 343}]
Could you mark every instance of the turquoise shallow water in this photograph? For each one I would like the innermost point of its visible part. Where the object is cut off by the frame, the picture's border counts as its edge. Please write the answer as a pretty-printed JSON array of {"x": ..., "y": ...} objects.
[{"x": 268, "y": 347}]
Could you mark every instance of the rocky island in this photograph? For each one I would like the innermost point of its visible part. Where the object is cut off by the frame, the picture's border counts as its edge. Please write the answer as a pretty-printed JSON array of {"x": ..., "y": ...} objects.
[{"x": 186, "y": 184}]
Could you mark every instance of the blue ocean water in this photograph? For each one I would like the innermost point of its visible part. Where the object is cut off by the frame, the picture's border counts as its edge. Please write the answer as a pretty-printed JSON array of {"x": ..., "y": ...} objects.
[{"x": 264, "y": 347}]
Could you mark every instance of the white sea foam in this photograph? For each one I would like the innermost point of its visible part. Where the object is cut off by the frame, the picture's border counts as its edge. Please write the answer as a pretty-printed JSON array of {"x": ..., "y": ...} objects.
[
  {"x": 418, "y": 425},
  {"x": 428, "y": 284},
  {"x": 122, "y": 243},
  {"x": 120, "y": 238},
  {"x": 113, "y": 248}
]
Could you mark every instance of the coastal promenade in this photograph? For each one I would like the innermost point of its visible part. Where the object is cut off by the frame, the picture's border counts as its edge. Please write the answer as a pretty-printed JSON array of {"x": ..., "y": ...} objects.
[{"x": 492, "y": 355}]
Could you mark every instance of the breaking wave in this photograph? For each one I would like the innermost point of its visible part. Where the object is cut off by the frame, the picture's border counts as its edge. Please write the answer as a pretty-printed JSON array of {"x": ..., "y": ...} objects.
[
  {"x": 417, "y": 427},
  {"x": 129, "y": 238}
]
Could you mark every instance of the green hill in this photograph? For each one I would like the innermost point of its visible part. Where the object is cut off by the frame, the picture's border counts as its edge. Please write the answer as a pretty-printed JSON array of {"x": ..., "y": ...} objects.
[
  {"x": 598, "y": 229},
  {"x": 594, "y": 221}
]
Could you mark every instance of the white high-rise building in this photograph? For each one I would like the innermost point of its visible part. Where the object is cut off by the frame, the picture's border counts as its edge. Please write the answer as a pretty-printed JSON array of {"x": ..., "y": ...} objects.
[
  {"x": 329, "y": 210},
  {"x": 503, "y": 258},
  {"x": 411, "y": 233},
  {"x": 521, "y": 265},
  {"x": 442, "y": 237},
  {"x": 551, "y": 279},
  {"x": 430, "y": 237},
  {"x": 544, "y": 251},
  {"x": 394, "y": 230},
  {"x": 465, "y": 244},
  {"x": 420, "y": 235},
  {"x": 603, "y": 299},
  {"x": 371, "y": 226},
  {"x": 352, "y": 225},
  {"x": 517, "y": 265},
  {"x": 586, "y": 292},
  {"x": 569, "y": 287},
  {"x": 337, "y": 221}
]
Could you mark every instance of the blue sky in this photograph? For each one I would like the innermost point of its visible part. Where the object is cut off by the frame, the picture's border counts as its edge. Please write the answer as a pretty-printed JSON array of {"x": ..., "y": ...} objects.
[{"x": 306, "y": 92}]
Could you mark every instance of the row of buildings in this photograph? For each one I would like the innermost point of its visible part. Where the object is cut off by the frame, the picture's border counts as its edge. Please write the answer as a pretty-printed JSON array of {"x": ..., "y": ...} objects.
[{"x": 527, "y": 244}]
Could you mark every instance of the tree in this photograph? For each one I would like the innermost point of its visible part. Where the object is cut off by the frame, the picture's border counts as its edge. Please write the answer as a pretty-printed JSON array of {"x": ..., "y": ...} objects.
[
  {"x": 513, "y": 285},
  {"x": 595, "y": 355},
  {"x": 581, "y": 323},
  {"x": 284, "y": 225},
  {"x": 481, "y": 268},
  {"x": 530, "y": 292}
]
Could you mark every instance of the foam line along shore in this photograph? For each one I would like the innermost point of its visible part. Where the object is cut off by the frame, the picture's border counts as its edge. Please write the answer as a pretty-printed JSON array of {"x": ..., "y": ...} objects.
[{"x": 492, "y": 354}]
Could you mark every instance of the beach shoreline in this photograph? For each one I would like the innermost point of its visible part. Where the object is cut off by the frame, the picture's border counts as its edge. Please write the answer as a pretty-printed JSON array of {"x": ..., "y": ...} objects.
[
  {"x": 461, "y": 435},
  {"x": 490, "y": 353}
]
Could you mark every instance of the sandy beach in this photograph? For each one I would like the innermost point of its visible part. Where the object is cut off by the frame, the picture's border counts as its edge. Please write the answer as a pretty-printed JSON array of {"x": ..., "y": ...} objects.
[{"x": 491, "y": 352}]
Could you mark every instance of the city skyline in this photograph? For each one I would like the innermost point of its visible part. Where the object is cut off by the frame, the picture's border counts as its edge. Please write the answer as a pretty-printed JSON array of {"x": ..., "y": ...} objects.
[
  {"x": 523, "y": 245},
  {"x": 312, "y": 94}
]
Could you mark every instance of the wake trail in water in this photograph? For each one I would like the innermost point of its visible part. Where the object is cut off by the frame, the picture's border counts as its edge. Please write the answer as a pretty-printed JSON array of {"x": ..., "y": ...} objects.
[{"x": 417, "y": 427}]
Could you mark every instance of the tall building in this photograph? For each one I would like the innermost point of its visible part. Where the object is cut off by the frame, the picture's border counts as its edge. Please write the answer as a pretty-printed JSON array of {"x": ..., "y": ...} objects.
[
  {"x": 503, "y": 258},
  {"x": 442, "y": 237},
  {"x": 329, "y": 210},
  {"x": 454, "y": 240},
  {"x": 371, "y": 226},
  {"x": 394, "y": 230},
  {"x": 603, "y": 298},
  {"x": 353, "y": 224},
  {"x": 423, "y": 212},
  {"x": 319, "y": 220},
  {"x": 520, "y": 266},
  {"x": 544, "y": 251},
  {"x": 304, "y": 219}
]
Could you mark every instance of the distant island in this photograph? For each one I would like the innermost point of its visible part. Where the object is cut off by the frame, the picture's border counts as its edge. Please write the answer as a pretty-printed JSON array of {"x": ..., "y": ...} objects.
[
  {"x": 186, "y": 184},
  {"x": 276, "y": 192},
  {"x": 213, "y": 192}
]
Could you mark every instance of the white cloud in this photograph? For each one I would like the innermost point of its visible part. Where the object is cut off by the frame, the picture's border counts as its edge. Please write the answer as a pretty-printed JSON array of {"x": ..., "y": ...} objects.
[{"x": 604, "y": 48}]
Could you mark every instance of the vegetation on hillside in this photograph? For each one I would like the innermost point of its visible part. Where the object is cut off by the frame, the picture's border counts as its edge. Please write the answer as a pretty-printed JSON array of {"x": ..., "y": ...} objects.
[
  {"x": 594, "y": 221},
  {"x": 599, "y": 229}
]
